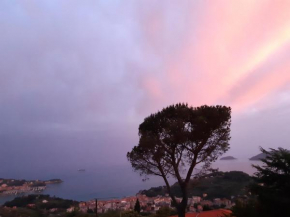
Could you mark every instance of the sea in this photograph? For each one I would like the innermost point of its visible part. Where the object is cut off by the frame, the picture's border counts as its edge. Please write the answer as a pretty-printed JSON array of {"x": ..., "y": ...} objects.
[{"x": 104, "y": 182}]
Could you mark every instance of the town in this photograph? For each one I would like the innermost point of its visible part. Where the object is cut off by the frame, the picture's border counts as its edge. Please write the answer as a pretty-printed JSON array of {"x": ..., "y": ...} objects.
[
  {"x": 15, "y": 187},
  {"x": 151, "y": 204},
  {"x": 148, "y": 205}
]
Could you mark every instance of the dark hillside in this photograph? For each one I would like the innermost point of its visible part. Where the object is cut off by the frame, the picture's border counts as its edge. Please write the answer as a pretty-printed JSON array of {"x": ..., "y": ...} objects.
[{"x": 216, "y": 185}]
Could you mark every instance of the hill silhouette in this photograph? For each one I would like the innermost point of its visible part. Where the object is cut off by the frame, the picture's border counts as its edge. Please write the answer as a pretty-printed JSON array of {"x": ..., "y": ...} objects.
[{"x": 215, "y": 185}]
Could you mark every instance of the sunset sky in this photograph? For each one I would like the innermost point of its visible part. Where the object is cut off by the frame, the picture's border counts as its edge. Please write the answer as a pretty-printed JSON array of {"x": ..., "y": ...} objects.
[{"x": 80, "y": 76}]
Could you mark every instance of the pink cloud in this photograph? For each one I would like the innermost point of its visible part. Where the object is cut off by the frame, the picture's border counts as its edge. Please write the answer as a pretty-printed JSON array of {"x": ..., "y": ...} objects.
[{"x": 232, "y": 41}]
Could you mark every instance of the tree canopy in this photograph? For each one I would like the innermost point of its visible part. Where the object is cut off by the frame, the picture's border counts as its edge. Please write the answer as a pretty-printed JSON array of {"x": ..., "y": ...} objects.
[
  {"x": 271, "y": 196},
  {"x": 273, "y": 178},
  {"x": 174, "y": 141}
]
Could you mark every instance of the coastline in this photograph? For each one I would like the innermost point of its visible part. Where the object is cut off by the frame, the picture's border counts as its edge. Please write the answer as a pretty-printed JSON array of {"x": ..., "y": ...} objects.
[
  {"x": 103, "y": 182},
  {"x": 18, "y": 187}
]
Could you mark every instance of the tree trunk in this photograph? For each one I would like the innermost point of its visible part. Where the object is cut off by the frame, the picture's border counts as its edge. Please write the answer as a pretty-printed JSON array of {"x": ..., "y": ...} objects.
[
  {"x": 183, "y": 205},
  {"x": 180, "y": 207},
  {"x": 181, "y": 211}
]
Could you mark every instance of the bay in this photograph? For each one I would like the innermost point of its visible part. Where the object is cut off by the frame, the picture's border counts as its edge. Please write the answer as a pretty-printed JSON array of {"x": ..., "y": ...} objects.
[{"x": 104, "y": 181}]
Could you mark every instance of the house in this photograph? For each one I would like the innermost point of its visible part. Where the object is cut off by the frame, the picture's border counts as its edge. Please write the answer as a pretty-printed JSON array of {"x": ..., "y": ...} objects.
[
  {"x": 108, "y": 206},
  {"x": 31, "y": 205},
  {"x": 191, "y": 208},
  {"x": 217, "y": 201},
  {"x": 199, "y": 208},
  {"x": 82, "y": 204},
  {"x": 53, "y": 210},
  {"x": 71, "y": 209},
  {"x": 195, "y": 199},
  {"x": 206, "y": 203},
  {"x": 226, "y": 202}
]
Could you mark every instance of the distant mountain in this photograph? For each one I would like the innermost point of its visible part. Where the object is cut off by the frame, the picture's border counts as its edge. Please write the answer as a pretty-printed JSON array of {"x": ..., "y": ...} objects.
[
  {"x": 258, "y": 157},
  {"x": 228, "y": 158}
]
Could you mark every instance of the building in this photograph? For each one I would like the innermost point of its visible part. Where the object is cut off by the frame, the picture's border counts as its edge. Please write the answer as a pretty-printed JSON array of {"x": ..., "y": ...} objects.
[{"x": 206, "y": 203}]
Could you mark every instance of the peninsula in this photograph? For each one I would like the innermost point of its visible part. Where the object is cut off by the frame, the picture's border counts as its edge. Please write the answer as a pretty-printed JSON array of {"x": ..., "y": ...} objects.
[
  {"x": 258, "y": 157},
  {"x": 14, "y": 186}
]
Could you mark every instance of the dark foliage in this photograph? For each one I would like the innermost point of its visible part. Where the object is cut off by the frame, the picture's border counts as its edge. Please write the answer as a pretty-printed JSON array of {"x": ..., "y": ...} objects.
[
  {"x": 248, "y": 208},
  {"x": 177, "y": 139},
  {"x": 75, "y": 214},
  {"x": 207, "y": 208},
  {"x": 90, "y": 211},
  {"x": 111, "y": 213},
  {"x": 9, "y": 212},
  {"x": 145, "y": 214},
  {"x": 273, "y": 178},
  {"x": 137, "y": 207},
  {"x": 22, "y": 201},
  {"x": 53, "y": 202},
  {"x": 130, "y": 214},
  {"x": 270, "y": 189},
  {"x": 165, "y": 212},
  {"x": 12, "y": 182}
]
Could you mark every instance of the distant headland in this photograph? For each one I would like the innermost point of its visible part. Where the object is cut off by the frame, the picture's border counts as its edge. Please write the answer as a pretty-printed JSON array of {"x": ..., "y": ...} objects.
[{"x": 258, "y": 157}]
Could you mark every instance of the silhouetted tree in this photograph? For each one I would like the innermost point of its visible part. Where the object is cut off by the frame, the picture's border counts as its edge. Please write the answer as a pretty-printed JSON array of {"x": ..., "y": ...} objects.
[
  {"x": 177, "y": 139},
  {"x": 137, "y": 207},
  {"x": 271, "y": 189},
  {"x": 248, "y": 208},
  {"x": 273, "y": 178}
]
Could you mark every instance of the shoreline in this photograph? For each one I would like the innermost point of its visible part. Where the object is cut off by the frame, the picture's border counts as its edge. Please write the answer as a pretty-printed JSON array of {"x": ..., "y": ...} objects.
[{"x": 18, "y": 187}]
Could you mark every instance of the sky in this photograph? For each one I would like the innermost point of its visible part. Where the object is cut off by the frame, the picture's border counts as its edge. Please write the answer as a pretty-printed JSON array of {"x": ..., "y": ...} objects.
[{"x": 78, "y": 77}]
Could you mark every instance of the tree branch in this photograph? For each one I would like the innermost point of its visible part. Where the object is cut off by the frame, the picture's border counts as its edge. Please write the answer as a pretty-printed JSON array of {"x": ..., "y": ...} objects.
[
  {"x": 193, "y": 164},
  {"x": 167, "y": 186}
]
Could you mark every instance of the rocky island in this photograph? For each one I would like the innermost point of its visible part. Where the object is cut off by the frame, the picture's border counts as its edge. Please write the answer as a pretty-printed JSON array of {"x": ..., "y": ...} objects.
[
  {"x": 228, "y": 158},
  {"x": 258, "y": 157},
  {"x": 14, "y": 186}
]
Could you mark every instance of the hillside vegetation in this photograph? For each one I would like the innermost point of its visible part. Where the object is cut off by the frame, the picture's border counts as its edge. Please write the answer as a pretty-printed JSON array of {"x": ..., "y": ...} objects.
[
  {"x": 215, "y": 185},
  {"x": 52, "y": 202}
]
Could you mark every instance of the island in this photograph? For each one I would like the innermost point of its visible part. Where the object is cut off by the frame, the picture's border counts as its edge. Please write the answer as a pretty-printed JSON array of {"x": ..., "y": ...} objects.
[
  {"x": 14, "y": 186},
  {"x": 228, "y": 158},
  {"x": 258, "y": 157}
]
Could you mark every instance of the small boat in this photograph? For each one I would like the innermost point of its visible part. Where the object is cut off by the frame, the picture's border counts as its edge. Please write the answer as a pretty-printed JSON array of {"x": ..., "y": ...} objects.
[{"x": 81, "y": 170}]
